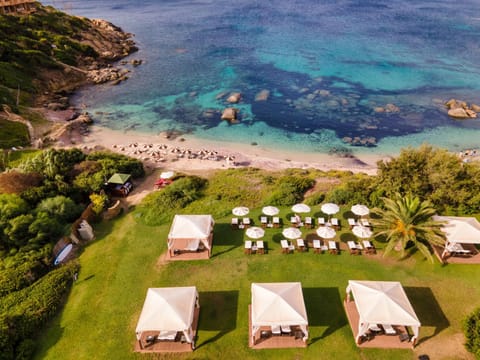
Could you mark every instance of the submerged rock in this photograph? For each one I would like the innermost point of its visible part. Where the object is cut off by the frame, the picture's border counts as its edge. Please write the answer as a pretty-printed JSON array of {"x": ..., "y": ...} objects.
[
  {"x": 230, "y": 114},
  {"x": 262, "y": 95},
  {"x": 234, "y": 98}
]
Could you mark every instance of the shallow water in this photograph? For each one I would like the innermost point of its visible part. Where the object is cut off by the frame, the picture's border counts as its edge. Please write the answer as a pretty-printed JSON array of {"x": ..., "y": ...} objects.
[{"x": 326, "y": 67}]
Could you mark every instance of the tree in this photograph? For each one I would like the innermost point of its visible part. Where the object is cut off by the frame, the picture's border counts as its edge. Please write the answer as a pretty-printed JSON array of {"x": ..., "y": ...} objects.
[
  {"x": 408, "y": 221},
  {"x": 60, "y": 207}
]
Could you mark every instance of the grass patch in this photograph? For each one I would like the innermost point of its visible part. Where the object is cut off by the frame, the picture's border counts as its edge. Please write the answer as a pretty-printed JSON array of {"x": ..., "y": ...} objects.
[
  {"x": 99, "y": 318},
  {"x": 13, "y": 134}
]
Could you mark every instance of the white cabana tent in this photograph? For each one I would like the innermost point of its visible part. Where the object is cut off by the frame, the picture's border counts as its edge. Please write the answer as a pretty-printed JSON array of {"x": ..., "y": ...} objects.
[
  {"x": 382, "y": 302},
  {"x": 459, "y": 230},
  {"x": 189, "y": 231},
  {"x": 278, "y": 304},
  {"x": 169, "y": 309}
]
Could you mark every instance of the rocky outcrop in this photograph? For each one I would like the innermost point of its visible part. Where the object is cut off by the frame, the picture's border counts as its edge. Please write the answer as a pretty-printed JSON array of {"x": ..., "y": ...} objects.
[
  {"x": 234, "y": 98},
  {"x": 459, "y": 109},
  {"x": 230, "y": 114},
  {"x": 109, "y": 74}
]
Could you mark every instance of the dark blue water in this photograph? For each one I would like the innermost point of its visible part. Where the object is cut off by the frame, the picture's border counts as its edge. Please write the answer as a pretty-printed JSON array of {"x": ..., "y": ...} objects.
[{"x": 330, "y": 67}]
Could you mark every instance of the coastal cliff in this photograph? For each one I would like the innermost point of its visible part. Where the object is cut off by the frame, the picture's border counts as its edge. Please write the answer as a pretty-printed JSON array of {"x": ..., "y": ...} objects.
[{"x": 47, "y": 54}]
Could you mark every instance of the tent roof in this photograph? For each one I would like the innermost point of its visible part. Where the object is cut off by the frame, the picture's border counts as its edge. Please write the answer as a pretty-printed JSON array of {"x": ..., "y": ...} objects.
[
  {"x": 278, "y": 304},
  {"x": 458, "y": 229},
  {"x": 191, "y": 226},
  {"x": 119, "y": 178},
  {"x": 383, "y": 302},
  {"x": 170, "y": 308}
]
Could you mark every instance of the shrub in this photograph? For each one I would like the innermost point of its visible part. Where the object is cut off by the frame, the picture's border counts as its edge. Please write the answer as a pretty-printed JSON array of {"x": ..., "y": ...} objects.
[
  {"x": 60, "y": 207},
  {"x": 99, "y": 202},
  {"x": 290, "y": 190},
  {"x": 159, "y": 207},
  {"x": 471, "y": 329}
]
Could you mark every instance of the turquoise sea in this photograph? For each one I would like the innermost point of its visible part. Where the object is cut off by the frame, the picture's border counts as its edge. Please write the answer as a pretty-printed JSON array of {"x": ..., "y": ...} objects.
[{"x": 328, "y": 66}]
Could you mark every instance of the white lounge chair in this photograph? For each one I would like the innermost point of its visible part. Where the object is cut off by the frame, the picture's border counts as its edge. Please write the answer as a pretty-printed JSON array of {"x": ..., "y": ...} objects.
[
  {"x": 234, "y": 223},
  {"x": 351, "y": 222},
  {"x": 263, "y": 221},
  {"x": 352, "y": 247},
  {"x": 335, "y": 223},
  {"x": 167, "y": 335},
  {"x": 276, "y": 221},
  {"x": 364, "y": 222},
  {"x": 276, "y": 330},
  {"x": 321, "y": 221},
  {"x": 300, "y": 245},
  {"x": 286, "y": 329},
  {"x": 308, "y": 222},
  {"x": 369, "y": 248},
  {"x": 248, "y": 247},
  {"x": 260, "y": 247},
  {"x": 246, "y": 222},
  {"x": 316, "y": 246},
  {"x": 389, "y": 330},
  {"x": 285, "y": 246},
  {"x": 332, "y": 247}
]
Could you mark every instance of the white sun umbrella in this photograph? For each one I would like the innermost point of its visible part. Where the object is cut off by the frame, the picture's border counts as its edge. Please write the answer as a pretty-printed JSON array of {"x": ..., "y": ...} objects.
[
  {"x": 270, "y": 210},
  {"x": 166, "y": 174},
  {"x": 360, "y": 210},
  {"x": 326, "y": 232},
  {"x": 255, "y": 232},
  {"x": 301, "y": 208},
  {"x": 330, "y": 208},
  {"x": 240, "y": 211},
  {"x": 362, "y": 232},
  {"x": 292, "y": 233}
]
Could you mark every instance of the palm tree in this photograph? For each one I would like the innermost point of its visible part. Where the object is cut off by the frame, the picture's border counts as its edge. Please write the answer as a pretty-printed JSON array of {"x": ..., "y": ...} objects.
[{"x": 407, "y": 219}]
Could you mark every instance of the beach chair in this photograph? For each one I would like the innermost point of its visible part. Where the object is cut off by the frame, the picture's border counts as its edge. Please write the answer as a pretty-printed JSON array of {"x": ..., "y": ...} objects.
[
  {"x": 276, "y": 222},
  {"x": 389, "y": 329},
  {"x": 354, "y": 248},
  {"x": 369, "y": 248},
  {"x": 321, "y": 221},
  {"x": 317, "y": 246},
  {"x": 294, "y": 221},
  {"x": 308, "y": 222},
  {"x": 248, "y": 247},
  {"x": 167, "y": 335},
  {"x": 332, "y": 247},
  {"x": 246, "y": 222},
  {"x": 234, "y": 223},
  {"x": 365, "y": 222},
  {"x": 260, "y": 247},
  {"x": 276, "y": 330},
  {"x": 286, "y": 330},
  {"x": 301, "y": 245},
  {"x": 285, "y": 246},
  {"x": 351, "y": 223},
  {"x": 263, "y": 221},
  {"x": 335, "y": 223}
]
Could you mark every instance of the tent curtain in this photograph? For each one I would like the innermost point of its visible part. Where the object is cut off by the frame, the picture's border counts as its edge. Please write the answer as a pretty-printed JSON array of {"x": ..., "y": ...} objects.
[
  {"x": 362, "y": 328},
  {"x": 305, "y": 332}
]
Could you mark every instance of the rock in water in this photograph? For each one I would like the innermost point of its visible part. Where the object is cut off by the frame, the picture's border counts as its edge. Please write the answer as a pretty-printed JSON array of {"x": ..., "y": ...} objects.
[
  {"x": 234, "y": 98},
  {"x": 458, "y": 113},
  {"x": 230, "y": 114}
]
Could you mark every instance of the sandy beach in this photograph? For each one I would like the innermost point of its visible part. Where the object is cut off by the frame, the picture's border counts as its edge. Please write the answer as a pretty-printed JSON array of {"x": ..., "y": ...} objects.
[{"x": 188, "y": 153}]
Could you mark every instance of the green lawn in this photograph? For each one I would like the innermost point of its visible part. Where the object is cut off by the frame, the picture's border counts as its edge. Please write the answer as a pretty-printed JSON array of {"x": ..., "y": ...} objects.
[{"x": 99, "y": 318}]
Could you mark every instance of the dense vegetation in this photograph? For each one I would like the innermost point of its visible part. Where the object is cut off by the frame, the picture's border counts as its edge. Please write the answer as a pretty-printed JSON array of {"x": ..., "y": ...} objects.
[
  {"x": 471, "y": 326},
  {"x": 38, "y": 202}
]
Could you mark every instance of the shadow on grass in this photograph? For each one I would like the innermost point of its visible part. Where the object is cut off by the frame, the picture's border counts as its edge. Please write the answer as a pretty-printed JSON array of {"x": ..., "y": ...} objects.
[
  {"x": 224, "y": 235},
  {"x": 324, "y": 308},
  {"x": 55, "y": 333},
  {"x": 345, "y": 237},
  {"x": 218, "y": 313},
  {"x": 427, "y": 309}
]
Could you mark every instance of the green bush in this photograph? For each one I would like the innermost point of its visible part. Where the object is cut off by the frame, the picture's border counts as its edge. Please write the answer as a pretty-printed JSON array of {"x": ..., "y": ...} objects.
[
  {"x": 159, "y": 207},
  {"x": 60, "y": 207},
  {"x": 471, "y": 329},
  {"x": 290, "y": 190},
  {"x": 23, "y": 312}
]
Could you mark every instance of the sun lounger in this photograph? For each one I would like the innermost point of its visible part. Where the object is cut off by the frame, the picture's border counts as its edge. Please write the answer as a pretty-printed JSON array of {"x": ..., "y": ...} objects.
[
  {"x": 300, "y": 245},
  {"x": 389, "y": 330},
  {"x": 457, "y": 249},
  {"x": 332, "y": 247},
  {"x": 248, "y": 247},
  {"x": 296, "y": 221},
  {"x": 234, "y": 223},
  {"x": 351, "y": 223},
  {"x": 335, "y": 223},
  {"x": 263, "y": 221},
  {"x": 316, "y": 246},
  {"x": 260, "y": 247},
  {"x": 353, "y": 248},
  {"x": 369, "y": 248},
  {"x": 276, "y": 330},
  {"x": 364, "y": 222},
  {"x": 308, "y": 222},
  {"x": 285, "y": 246},
  {"x": 167, "y": 335},
  {"x": 321, "y": 221},
  {"x": 246, "y": 222},
  {"x": 286, "y": 329},
  {"x": 276, "y": 221}
]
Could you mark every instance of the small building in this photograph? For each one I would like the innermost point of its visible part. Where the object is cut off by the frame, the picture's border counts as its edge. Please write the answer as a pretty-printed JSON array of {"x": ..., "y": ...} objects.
[
  {"x": 13, "y": 7},
  {"x": 169, "y": 320},
  {"x": 278, "y": 317},
  {"x": 190, "y": 237},
  {"x": 119, "y": 184}
]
